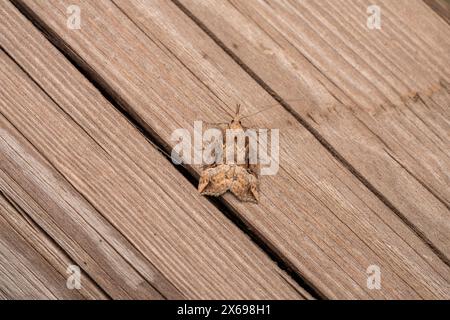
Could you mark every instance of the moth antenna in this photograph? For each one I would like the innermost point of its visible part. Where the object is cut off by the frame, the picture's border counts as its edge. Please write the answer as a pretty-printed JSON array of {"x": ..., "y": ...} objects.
[
  {"x": 165, "y": 153},
  {"x": 258, "y": 112},
  {"x": 215, "y": 123},
  {"x": 237, "y": 117},
  {"x": 265, "y": 108}
]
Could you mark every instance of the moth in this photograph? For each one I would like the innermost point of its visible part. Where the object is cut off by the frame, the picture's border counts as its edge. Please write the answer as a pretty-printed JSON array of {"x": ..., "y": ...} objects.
[{"x": 241, "y": 179}]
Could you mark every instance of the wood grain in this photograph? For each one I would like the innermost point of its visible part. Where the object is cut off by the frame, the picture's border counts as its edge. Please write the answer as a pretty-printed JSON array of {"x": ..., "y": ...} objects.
[
  {"x": 323, "y": 221},
  {"x": 96, "y": 246},
  {"x": 100, "y": 179},
  {"x": 441, "y": 7},
  {"x": 378, "y": 98},
  {"x": 31, "y": 265}
]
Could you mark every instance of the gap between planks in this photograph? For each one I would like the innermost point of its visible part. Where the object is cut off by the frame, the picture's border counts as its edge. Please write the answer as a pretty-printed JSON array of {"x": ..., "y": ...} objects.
[
  {"x": 290, "y": 284},
  {"x": 285, "y": 278},
  {"x": 154, "y": 139},
  {"x": 49, "y": 272},
  {"x": 314, "y": 130},
  {"x": 441, "y": 7},
  {"x": 85, "y": 244},
  {"x": 323, "y": 141}
]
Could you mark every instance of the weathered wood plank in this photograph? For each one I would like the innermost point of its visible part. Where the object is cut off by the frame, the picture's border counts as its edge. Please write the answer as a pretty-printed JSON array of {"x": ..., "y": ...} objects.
[
  {"x": 319, "y": 217},
  {"x": 368, "y": 93},
  {"x": 121, "y": 176},
  {"x": 31, "y": 265},
  {"x": 441, "y": 7},
  {"x": 50, "y": 200}
]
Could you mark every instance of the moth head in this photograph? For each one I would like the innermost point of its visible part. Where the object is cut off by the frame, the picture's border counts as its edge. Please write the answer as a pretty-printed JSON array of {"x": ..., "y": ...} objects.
[{"x": 237, "y": 117}]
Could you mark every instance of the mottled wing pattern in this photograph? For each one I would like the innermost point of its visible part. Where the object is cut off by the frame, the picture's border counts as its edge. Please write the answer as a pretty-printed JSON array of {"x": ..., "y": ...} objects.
[{"x": 241, "y": 180}]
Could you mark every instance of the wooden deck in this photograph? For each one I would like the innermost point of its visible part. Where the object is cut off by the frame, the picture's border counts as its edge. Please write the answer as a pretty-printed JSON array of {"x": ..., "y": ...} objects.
[{"x": 364, "y": 179}]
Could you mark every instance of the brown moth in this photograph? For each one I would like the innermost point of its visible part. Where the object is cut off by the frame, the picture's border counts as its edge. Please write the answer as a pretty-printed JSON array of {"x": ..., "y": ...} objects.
[{"x": 240, "y": 179}]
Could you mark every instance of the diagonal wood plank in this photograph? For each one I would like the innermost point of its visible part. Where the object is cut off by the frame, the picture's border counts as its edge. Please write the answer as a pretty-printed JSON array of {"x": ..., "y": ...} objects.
[
  {"x": 379, "y": 107},
  {"x": 31, "y": 265},
  {"x": 167, "y": 73},
  {"x": 120, "y": 175},
  {"x": 31, "y": 182},
  {"x": 441, "y": 7}
]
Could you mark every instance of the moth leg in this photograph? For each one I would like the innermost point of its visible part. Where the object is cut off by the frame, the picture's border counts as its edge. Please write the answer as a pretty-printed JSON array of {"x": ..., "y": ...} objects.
[
  {"x": 204, "y": 181},
  {"x": 254, "y": 187},
  {"x": 253, "y": 168}
]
